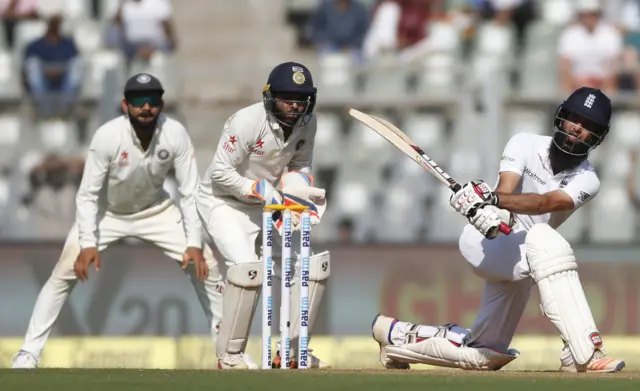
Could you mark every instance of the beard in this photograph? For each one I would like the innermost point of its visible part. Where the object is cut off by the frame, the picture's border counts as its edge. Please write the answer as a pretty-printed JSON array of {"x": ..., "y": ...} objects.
[
  {"x": 561, "y": 161},
  {"x": 282, "y": 118},
  {"x": 143, "y": 126}
]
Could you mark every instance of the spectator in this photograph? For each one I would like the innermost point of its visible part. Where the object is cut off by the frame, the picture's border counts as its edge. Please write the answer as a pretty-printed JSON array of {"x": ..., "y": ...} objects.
[
  {"x": 590, "y": 51},
  {"x": 13, "y": 11},
  {"x": 339, "y": 26},
  {"x": 143, "y": 27},
  {"x": 52, "y": 68},
  {"x": 519, "y": 13},
  {"x": 401, "y": 25},
  {"x": 345, "y": 231},
  {"x": 51, "y": 199}
]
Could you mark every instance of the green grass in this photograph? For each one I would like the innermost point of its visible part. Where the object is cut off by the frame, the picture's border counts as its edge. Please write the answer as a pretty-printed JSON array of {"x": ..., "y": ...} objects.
[{"x": 161, "y": 380}]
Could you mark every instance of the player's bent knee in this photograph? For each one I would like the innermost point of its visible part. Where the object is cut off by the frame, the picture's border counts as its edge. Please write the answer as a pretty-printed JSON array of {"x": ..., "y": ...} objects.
[
  {"x": 245, "y": 275},
  {"x": 548, "y": 252},
  {"x": 554, "y": 268},
  {"x": 64, "y": 268},
  {"x": 443, "y": 353},
  {"x": 320, "y": 266}
]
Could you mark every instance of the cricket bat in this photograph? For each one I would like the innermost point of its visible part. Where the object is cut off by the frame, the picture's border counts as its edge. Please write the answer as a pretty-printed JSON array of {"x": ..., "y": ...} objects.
[{"x": 400, "y": 140}]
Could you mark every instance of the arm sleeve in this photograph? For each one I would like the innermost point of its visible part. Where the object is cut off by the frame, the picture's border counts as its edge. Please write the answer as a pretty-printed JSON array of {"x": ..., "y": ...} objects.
[
  {"x": 582, "y": 188},
  {"x": 96, "y": 168},
  {"x": 513, "y": 158},
  {"x": 187, "y": 177},
  {"x": 303, "y": 157},
  {"x": 232, "y": 151}
]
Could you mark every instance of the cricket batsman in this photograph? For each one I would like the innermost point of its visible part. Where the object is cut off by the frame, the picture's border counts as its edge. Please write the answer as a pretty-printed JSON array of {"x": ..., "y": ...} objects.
[
  {"x": 121, "y": 195},
  {"x": 542, "y": 181},
  {"x": 258, "y": 144}
]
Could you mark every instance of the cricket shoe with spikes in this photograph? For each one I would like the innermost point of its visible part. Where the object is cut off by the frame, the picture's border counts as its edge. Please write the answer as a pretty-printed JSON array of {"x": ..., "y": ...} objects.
[
  {"x": 381, "y": 330},
  {"x": 599, "y": 363},
  {"x": 24, "y": 360},
  {"x": 236, "y": 361}
]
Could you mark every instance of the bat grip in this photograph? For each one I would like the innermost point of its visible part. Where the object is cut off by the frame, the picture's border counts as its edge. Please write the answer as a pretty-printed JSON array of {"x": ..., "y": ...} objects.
[
  {"x": 504, "y": 228},
  {"x": 456, "y": 187}
]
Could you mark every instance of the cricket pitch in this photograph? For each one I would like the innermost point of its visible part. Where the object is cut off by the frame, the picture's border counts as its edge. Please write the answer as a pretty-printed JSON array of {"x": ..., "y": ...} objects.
[{"x": 309, "y": 380}]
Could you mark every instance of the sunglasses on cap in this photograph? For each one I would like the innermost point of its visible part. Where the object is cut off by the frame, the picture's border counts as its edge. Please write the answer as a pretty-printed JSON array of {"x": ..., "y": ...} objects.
[{"x": 140, "y": 100}]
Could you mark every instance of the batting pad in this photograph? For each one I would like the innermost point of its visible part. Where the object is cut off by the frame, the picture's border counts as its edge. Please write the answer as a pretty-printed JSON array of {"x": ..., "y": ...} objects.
[
  {"x": 319, "y": 271},
  {"x": 244, "y": 281},
  {"x": 441, "y": 352},
  {"x": 554, "y": 268}
]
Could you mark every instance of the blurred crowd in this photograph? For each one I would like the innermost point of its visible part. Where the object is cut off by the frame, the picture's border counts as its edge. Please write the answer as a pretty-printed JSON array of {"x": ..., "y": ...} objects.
[
  {"x": 575, "y": 42},
  {"x": 52, "y": 46},
  {"x": 598, "y": 45},
  {"x": 52, "y": 72}
]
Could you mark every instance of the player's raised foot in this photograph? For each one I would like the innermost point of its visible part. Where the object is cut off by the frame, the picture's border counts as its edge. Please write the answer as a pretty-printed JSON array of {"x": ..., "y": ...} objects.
[
  {"x": 599, "y": 363},
  {"x": 381, "y": 329},
  {"x": 24, "y": 360},
  {"x": 236, "y": 361},
  {"x": 314, "y": 362}
]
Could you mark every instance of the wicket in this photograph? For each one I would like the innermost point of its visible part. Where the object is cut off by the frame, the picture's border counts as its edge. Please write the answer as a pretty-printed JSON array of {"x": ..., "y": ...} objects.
[{"x": 286, "y": 277}]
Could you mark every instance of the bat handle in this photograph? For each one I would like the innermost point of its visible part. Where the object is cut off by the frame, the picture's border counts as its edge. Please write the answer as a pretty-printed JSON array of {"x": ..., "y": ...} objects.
[
  {"x": 505, "y": 229},
  {"x": 456, "y": 187}
]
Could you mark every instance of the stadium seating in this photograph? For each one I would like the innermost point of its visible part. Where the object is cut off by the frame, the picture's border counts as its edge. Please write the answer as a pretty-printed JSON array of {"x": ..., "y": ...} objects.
[{"x": 439, "y": 101}]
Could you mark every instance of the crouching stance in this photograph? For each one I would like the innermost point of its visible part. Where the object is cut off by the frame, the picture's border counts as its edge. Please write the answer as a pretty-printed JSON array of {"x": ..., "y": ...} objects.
[
  {"x": 542, "y": 181},
  {"x": 258, "y": 144}
]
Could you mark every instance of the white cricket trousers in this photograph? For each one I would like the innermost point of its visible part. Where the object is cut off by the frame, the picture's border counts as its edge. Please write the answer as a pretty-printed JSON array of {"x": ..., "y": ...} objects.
[
  {"x": 161, "y": 226},
  {"x": 502, "y": 263}
]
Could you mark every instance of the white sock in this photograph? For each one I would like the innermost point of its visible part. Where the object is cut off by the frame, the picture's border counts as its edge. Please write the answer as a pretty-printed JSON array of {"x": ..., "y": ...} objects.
[
  {"x": 454, "y": 334},
  {"x": 48, "y": 306}
]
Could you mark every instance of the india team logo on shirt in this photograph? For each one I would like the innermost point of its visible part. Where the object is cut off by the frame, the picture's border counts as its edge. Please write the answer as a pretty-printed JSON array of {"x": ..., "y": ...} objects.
[{"x": 163, "y": 154}]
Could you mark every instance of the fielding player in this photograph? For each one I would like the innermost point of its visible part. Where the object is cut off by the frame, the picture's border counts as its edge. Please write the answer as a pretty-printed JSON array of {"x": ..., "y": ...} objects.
[
  {"x": 258, "y": 144},
  {"x": 121, "y": 195},
  {"x": 542, "y": 181}
]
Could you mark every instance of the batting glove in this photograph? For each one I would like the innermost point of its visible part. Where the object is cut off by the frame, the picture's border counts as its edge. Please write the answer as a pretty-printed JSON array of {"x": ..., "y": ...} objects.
[
  {"x": 471, "y": 197},
  {"x": 488, "y": 218}
]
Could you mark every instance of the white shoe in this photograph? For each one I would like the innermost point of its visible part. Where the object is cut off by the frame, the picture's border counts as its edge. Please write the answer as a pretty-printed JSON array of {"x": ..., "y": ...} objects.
[
  {"x": 381, "y": 331},
  {"x": 599, "y": 363},
  {"x": 316, "y": 363},
  {"x": 233, "y": 361},
  {"x": 24, "y": 360},
  {"x": 249, "y": 361}
]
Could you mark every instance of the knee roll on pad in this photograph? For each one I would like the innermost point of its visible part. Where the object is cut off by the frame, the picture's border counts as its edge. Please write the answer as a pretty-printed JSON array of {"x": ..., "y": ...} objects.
[
  {"x": 240, "y": 298},
  {"x": 319, "y": 272},
  {"x": 554, "y": 268}
]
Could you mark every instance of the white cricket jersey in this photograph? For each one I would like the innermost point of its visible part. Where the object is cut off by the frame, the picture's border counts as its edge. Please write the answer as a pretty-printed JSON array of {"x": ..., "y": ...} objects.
[
  {"x": 120, "y": 178},
  {"x": 252, "y": 147},
  {"x": 528, "y": 156}
]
